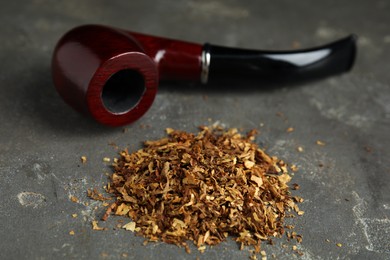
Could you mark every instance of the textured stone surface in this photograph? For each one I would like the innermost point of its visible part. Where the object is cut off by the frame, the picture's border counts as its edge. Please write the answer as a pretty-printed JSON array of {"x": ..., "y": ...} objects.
[{"x": 42, "y": 139}]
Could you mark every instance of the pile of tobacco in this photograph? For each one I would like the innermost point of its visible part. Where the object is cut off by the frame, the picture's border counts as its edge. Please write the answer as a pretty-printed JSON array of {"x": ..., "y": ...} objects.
[{"x": 203, "y": 188}]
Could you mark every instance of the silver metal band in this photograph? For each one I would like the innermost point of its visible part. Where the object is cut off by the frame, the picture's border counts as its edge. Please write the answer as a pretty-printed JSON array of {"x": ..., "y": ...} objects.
[{"x": 204, "y": 76}]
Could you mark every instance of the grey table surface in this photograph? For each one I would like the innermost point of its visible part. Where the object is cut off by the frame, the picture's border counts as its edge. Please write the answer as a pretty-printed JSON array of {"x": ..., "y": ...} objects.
[{"x": 347, "y": 200}]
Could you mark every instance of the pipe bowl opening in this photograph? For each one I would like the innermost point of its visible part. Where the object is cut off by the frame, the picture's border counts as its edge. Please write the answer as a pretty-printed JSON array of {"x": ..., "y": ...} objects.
[{"x": 123, "y": 91}]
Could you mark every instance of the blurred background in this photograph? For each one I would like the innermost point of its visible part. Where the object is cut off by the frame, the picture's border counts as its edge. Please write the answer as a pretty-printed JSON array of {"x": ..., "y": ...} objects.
[{"x": 345, "y": 183}]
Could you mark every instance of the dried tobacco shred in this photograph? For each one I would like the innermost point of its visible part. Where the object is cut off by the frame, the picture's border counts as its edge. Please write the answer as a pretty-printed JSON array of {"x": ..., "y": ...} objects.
[{"x": 203, "y": 188}]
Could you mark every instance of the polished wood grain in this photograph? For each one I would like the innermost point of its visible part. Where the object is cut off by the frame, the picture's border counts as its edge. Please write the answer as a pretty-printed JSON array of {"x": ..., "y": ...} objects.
[
  {"x": 176, "y": 60},
  {"x": 86, "y": 57}
]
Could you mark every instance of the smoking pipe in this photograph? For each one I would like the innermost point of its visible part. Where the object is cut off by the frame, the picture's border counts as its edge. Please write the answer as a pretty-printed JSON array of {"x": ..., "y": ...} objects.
[{"x": 113, "y": 74}]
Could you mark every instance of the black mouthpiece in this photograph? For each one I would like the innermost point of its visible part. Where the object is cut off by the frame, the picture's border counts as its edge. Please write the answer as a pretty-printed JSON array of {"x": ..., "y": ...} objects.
[{"x": 229, "y": 64}]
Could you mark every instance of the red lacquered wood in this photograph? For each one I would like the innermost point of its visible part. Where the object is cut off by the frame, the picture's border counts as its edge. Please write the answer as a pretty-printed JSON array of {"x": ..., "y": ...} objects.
[
  {"x": 93, "y": 66},
  {"x": 86, "y": 57},
  {"x": 177, "y": 60}
]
